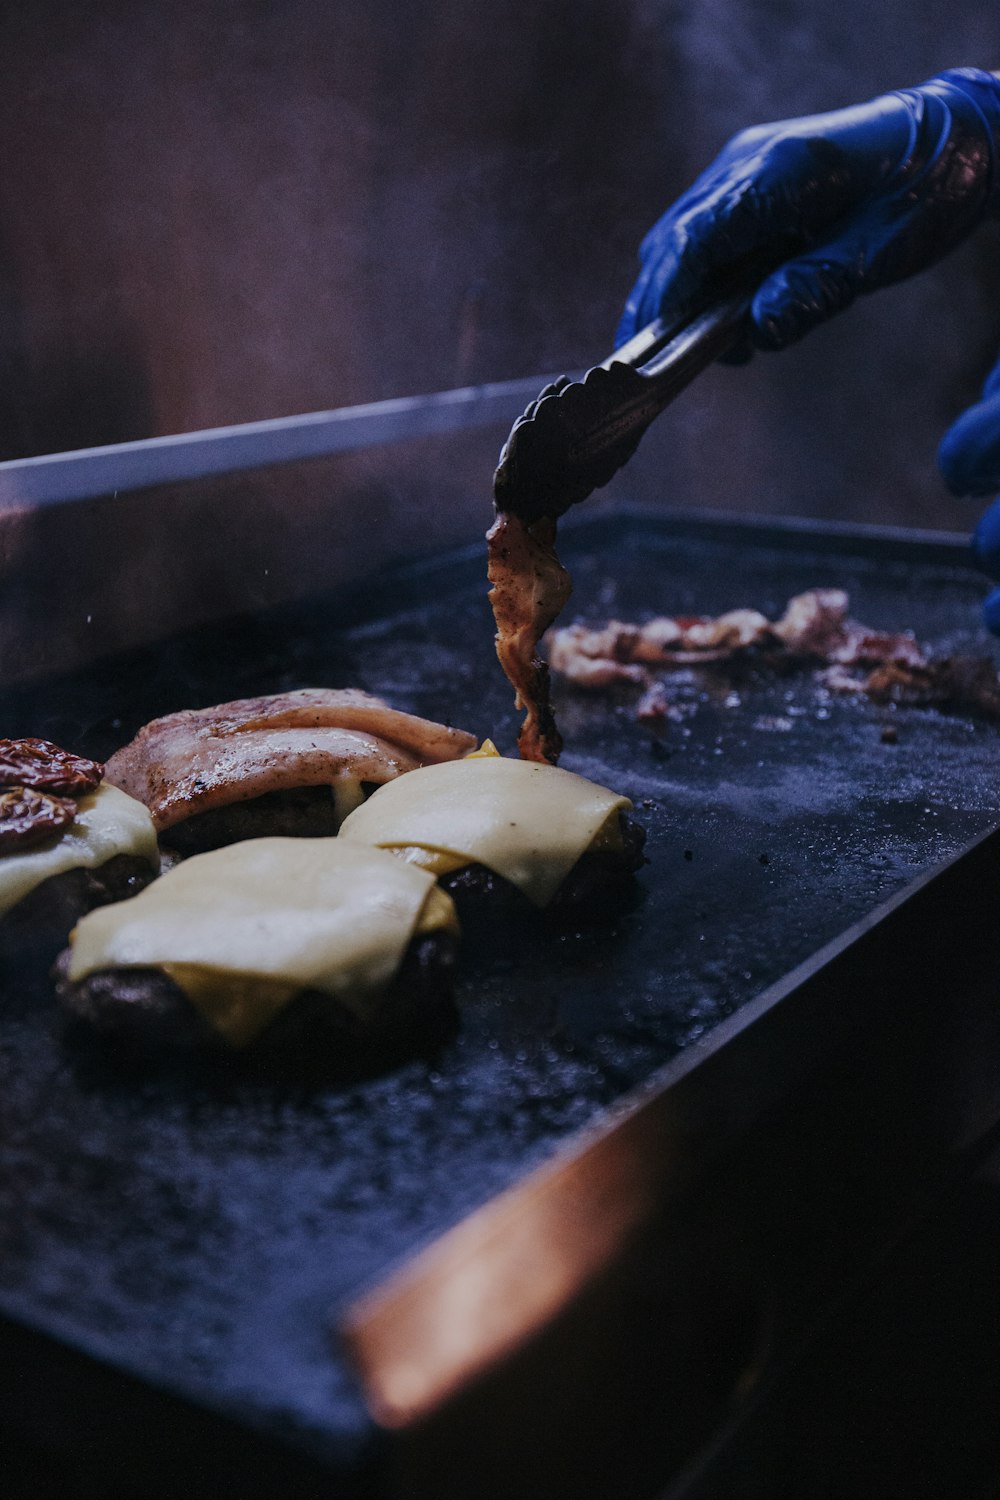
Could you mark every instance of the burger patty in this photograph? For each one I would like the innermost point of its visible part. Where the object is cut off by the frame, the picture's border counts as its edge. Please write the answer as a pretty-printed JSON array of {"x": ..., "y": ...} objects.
[
  {"x": 484, "y": 899},
  {"x": 145, "y": 1013},
  {"x": 303, "y": 812},
  {"x": 52, "y": 909}
]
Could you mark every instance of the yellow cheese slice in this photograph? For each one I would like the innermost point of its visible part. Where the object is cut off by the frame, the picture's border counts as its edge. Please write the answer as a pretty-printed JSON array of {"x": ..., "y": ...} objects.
[
  {"x": 347, "y": 795},
  {"x": 525, "y": 821},
  {"x": 107, "y": 822},
  {"x": 244, "y": 928}
]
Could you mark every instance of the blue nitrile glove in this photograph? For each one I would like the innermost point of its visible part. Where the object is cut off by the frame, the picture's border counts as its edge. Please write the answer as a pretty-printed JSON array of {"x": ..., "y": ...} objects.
[
  {"x": 815, "y": 211},
  {"x": 969, "y": 457}
]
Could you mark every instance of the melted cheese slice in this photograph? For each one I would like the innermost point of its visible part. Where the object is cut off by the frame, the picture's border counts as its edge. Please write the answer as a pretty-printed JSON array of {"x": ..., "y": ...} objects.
[
  {"x": 525, "y": 821},
  {"x": 107, "y": 823},
  {"x": 244, "y": 928}
]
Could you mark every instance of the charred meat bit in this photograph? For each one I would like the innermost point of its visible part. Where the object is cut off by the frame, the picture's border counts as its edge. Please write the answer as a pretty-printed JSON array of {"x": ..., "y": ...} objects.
[
  {"x": 29, "y": 817},
  {"x": 654, "y": 706},
  {"x": 960, "y": 684},
  {"x": 44, "y": 766}
]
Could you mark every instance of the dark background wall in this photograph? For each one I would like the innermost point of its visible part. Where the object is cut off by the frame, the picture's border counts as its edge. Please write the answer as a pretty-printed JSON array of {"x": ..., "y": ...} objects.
[{"x": 216, "y": 212}]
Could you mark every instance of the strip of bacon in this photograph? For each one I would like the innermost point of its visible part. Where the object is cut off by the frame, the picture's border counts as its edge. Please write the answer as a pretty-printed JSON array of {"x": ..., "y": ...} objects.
[
  {"x": 198, "y": 759},
  {"x": 886, "y": 666},
  {"x": 529, "y": 588},
  {"x": 814, "y": 625}
]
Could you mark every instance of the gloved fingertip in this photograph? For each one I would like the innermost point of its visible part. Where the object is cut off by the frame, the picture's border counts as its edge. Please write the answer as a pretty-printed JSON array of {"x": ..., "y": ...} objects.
[
  {"x": 951, "y": 463},
  {"x": 625, "y": 329},
  {"x": 992, "y": 385},
  {"x": 991, "y": 612},
  {"x": 969, "y": 454},
  {"x": 776, "y": 315},
  {"x": 986, "y": 541},
  {"x": 776, "y": 331}
]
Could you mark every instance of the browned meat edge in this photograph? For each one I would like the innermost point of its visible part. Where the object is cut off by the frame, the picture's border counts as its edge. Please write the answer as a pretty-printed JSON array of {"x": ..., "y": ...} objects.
[
  {"x": 591, "y": 891},
  {"x": 143, "y": 1013},
  {"x": 46, "y": 915},
  {"x": 302, "y": 813}
]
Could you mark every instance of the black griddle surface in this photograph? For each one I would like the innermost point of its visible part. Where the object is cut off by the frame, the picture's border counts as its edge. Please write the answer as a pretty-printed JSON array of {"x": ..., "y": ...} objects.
[{"x": 198, "y": 1229}]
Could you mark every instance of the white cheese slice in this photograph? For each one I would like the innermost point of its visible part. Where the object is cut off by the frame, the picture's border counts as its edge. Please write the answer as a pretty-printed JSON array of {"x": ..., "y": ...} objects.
[
  {"x": 525, "y": 821},
  {"x": 308, "y": 913},
  {"x": 108, "y": 822}
]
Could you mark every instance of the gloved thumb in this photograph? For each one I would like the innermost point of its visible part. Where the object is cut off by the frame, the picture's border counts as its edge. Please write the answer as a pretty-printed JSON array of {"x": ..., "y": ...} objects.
[{"x": 991, "y": 612}]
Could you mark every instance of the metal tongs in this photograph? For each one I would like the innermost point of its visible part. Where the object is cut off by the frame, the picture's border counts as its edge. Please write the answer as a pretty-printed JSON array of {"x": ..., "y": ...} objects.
[{"x": 577, "y": 434}]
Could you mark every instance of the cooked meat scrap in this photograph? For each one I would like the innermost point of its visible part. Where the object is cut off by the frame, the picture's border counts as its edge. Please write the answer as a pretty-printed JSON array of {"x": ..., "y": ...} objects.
[
  {"x": 619, "y": 652},
  {"x": 29, "y": 817},
  {"x": 814, "y": 627},
  {"x": 863, "y": 647},
  {"x": 656, "y": 639},
  {"x": 529, "y": 589},
  {"x": 812, "y": 621},
  {"x": 817, "y": 624},
  {"x": 594, "y": 658},
  {"x": 960, "y": 683},
  {"x": 734, "y": 631},
  {"x": 47, "y": 768},
  {"x": 840, "y": 679},
  {"x": 144, "y": 1013},
  {"x": 198, "y": 760}
]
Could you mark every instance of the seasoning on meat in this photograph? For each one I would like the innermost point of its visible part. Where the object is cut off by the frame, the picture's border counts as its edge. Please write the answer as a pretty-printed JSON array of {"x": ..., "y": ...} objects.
[
  {"x": 198, "y": 760},
  {"x": 40, "y": 764},
  {"x": 529, "y": 588},
  {"x": 28, "y": 817}
]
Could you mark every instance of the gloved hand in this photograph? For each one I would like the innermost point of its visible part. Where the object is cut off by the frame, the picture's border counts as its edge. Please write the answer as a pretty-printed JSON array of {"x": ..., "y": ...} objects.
[
  {"x": 815, "y": 211},
  {"x": 969, "y": 457}
]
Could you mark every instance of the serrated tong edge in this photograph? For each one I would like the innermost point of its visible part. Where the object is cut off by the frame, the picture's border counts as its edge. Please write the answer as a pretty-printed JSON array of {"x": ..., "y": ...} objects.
[{"x": 577, "y": 434}]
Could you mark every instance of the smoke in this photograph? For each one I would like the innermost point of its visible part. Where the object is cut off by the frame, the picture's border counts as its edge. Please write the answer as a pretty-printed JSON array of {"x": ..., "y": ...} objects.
[{"x": 220, "y": 212}]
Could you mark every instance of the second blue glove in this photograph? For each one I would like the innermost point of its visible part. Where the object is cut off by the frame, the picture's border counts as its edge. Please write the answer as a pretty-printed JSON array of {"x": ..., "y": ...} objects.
[{"x": 969, "y": 457}]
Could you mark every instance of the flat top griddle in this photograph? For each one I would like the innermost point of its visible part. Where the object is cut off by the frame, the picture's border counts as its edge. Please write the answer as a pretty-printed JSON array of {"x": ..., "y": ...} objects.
[{"x": 199, "y": 1228}]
